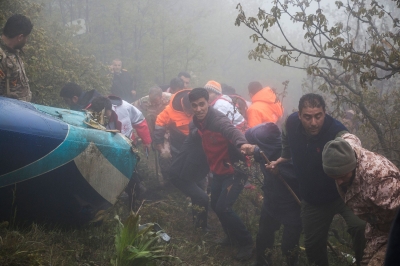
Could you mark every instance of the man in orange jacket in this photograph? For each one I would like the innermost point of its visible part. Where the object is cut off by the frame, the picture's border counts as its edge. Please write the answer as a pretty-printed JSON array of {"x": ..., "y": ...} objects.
[
  {"x": 265, "y": 105},
  {"x": 176, "y": 118}
]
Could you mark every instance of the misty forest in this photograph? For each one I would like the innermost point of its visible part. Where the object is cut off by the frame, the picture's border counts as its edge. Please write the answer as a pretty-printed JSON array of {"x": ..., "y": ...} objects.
[{"x": 348, "y": 51}]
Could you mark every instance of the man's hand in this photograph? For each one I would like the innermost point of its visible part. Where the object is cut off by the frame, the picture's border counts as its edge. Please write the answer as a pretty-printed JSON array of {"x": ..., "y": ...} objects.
[
  {"x": 247, "y": 149},
  {"x": 273, "y": 166}
]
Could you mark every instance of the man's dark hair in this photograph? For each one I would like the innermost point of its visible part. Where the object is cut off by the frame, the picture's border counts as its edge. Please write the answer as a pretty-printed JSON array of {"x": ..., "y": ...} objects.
[
  {"x": 70, "y": 90},
  {"x": 100, "y": 103},
  {"x": 17, "y": 24},
  {"x": 311, "y": 100},
  {"x": 227, "y": 90},
  {"x": 198, "y": 93},
  {"x": 176, "y": 84},
  {"x": 185, "y": 74},
  {"x": 254, "y": 87}
]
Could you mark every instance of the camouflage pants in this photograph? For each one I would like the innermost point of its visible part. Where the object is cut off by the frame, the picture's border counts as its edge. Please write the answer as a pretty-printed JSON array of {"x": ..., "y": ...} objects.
[{"x": 373, "y": 256}]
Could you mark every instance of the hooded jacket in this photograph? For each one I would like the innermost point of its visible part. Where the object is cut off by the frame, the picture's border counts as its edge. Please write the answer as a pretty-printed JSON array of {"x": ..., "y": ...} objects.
[
  {"x": 265, "y": 108},
  {"x": 174, "y": 118},
  {"x": 130, "y": 118},
  {"x": 278, "y": 201}
]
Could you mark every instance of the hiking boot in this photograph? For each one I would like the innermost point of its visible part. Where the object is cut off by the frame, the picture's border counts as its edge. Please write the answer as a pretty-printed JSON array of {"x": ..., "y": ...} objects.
[
  {"x": 225, "y": 241},
  {"x": 244, "y": 252}
]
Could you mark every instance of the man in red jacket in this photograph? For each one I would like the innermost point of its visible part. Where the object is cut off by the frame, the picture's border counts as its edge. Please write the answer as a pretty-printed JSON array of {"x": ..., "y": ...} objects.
[{"x": 223, "y": 145}]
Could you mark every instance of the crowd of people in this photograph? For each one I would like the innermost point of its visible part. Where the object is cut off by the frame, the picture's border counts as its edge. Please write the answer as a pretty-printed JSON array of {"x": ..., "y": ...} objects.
[{"x": 313, "y": 166}]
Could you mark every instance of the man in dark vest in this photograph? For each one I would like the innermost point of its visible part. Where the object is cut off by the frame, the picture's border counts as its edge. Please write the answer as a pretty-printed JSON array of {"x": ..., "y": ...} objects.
[{"x": 304, "y": 136}]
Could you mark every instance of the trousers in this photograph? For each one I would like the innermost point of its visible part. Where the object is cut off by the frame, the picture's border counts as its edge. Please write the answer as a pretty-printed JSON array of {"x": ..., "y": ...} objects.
[
  {"x": 196, "y": 192},
  {"x": 225, "y": 190},
  {"x": 316, "y": 222},
  {"x": 266, "y": 238}
]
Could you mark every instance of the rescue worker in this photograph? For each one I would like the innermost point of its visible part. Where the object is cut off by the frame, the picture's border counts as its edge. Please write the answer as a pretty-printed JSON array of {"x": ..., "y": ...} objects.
[
  {"x": 14, "y": 82},
  {"x": 131, "y": 118},
  {"x": 370, "y": 185},
  {"x": 122, "y": 82},
  {"x": 76, "y": 98},
  {"x": 124, "y": 117},
  {"x": 152, "y": 105},
  {"x": 175, "y": 119},
  {"x": 280, "y": 207},
  {"x": 265, "y": 106},
  {"x": 222, "y": 143},
  {"x": 303, "y": 138},
  {"x": 223, "y": 103}
]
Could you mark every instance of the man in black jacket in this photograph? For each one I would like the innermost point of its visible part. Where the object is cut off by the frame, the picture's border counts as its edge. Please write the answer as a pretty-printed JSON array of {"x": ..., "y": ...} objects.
[
  {"x": 304, "y": 136},
  {"x": 223, "y": 143},
  {"x": 280, "y": 207}
]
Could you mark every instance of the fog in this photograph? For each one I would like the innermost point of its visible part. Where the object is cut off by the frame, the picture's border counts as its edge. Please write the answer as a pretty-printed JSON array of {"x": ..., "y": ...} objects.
[{"x": 157, "y": 39}]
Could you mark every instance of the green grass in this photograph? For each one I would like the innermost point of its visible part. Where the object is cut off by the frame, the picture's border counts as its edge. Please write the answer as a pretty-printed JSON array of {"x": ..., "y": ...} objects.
[{"x": 95, "y": 245}]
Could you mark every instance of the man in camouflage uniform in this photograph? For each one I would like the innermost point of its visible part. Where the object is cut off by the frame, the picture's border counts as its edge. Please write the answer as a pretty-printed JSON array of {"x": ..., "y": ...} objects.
[
  {"x": 153, "y": 104},
  {"x": 13, "y": 80},
  {"x": 370, "y": 185}
]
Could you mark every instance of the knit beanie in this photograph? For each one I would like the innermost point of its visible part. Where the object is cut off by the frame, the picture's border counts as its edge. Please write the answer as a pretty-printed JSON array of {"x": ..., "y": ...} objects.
[
  {"x": 338, "y": 157},
  {"x": 213, "y": 86}
]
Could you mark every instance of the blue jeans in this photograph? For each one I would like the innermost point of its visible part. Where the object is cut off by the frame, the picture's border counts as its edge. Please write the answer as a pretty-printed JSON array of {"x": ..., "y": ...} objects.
[{"x": 225, "y": 190}]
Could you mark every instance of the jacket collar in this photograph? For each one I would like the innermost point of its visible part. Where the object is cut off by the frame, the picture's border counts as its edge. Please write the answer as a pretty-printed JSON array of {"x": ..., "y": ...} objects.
[{"x": 8, "y": 49}]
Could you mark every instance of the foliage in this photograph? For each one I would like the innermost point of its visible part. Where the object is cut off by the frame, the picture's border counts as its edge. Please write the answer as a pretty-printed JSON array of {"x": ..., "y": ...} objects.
[
  {"x": 352, "y": 54},
  {"x": 51, "y": 57},
  {"x": 138, "y": 246}
]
